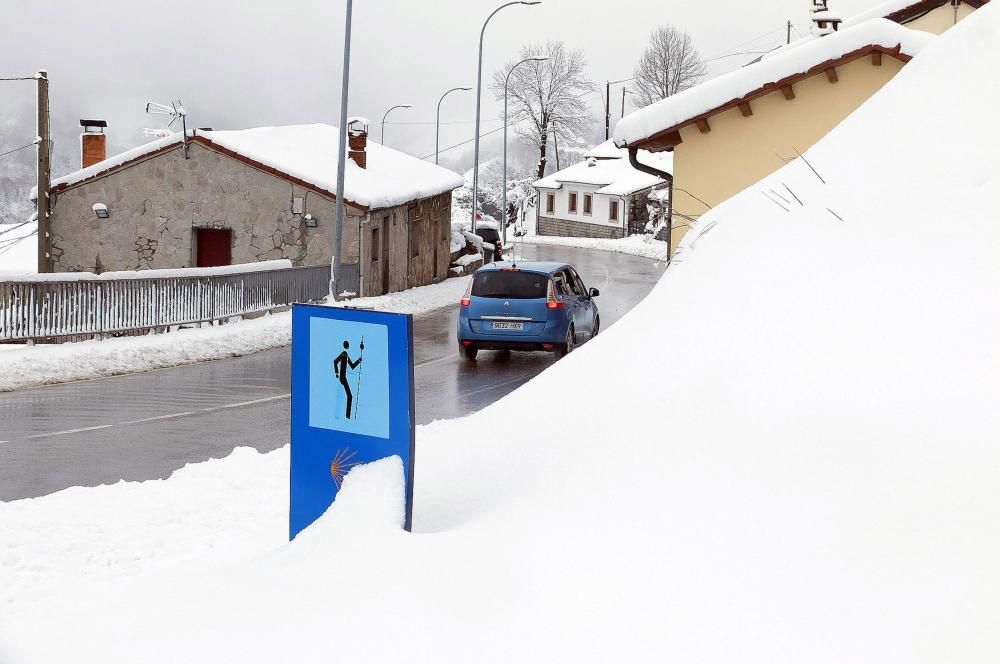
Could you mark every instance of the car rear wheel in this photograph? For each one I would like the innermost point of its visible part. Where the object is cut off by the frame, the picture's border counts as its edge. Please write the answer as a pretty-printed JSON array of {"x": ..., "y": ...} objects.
[
  {"x": 566, "y": 348},
  {"x": 469, "y": 352}
]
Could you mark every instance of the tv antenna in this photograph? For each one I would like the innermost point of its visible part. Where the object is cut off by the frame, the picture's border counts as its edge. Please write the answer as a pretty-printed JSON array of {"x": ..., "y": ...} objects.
[{"x": 176, "y": 112}]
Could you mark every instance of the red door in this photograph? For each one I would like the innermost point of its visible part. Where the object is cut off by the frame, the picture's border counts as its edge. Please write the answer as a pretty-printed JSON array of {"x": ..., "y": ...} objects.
[{"x": 214, "y": 246}]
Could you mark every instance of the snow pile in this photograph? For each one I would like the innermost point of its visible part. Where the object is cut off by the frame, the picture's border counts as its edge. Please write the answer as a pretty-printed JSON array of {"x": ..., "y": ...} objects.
[
  {"x": 18, "y": 248},
  {"x": 309, "y": 153},
  {"x": 688, "y": 104},
  {"x": 802, "y": 468},
  {"x": 26, "y": 366}
]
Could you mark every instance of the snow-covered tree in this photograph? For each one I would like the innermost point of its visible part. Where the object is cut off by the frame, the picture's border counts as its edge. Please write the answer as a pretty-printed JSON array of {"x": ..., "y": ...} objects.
[
  {"x": 546, "y": 98},
  {"x": 669, "y": 64}
]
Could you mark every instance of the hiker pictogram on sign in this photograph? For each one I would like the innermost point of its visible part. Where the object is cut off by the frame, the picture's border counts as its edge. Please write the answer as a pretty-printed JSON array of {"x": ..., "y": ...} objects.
[{"x": 349, "y": 379}]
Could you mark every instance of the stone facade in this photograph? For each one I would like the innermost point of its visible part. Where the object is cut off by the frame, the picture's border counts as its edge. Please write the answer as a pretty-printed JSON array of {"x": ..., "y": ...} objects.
[
  {"x": 156, "y": 205},
  {"x": 564, "y": 228}
]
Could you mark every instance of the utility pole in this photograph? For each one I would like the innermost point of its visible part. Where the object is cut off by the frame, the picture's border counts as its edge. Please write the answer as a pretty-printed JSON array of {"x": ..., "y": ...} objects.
[
  {"x": 44, "y": 172},
  {"x": 607, "y": 112},
  {"x": 623, "y": 101},
  {"x": 338, "y": 226}
]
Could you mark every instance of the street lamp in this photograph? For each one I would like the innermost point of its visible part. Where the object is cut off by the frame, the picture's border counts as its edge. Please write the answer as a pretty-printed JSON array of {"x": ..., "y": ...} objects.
[
  {"x": 479, "y": 95},
  {"x": 387, "y": 115},
  {"x": 503, "y": 209},
  {"x": 437, "y": 133}
]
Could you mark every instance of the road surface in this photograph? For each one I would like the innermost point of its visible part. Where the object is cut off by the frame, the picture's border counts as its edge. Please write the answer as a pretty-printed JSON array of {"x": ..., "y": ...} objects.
[{"x": 145, "y": 426}]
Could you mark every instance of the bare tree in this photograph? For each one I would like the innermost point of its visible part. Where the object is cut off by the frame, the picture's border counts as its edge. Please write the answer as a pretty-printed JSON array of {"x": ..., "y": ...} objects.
[
  {"x": 669, "y": 64},
  {"x": 546, "y": 98}
]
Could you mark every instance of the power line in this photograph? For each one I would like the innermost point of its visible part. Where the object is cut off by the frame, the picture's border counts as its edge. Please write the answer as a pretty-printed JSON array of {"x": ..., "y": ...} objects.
[
  {"x": 23, "y": 147},
  {"x": 18, "y": 78}
]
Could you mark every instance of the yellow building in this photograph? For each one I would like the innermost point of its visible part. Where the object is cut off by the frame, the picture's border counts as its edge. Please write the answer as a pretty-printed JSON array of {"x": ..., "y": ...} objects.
[{"x": 733, "y": 130}]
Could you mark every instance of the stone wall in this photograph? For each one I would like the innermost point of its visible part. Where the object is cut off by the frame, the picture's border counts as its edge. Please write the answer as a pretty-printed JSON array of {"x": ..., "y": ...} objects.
[
  {"x": 155, "y": 206},
  {"x": 564, "y": 228}
]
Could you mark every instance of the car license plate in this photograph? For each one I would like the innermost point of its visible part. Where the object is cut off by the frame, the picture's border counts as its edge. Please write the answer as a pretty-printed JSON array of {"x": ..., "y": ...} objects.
[{"x": 502, "y": 325}]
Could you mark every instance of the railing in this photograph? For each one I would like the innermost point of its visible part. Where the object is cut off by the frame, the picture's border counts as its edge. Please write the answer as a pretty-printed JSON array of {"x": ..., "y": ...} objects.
[{"x": 49, "y": 309}]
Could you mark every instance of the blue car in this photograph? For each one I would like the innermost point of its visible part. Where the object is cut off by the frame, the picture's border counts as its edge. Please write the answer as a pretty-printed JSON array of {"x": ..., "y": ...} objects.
[{"x": 527, "y": 306}]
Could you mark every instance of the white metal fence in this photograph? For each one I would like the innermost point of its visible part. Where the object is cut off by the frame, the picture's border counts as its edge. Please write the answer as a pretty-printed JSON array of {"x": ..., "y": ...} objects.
[{"x": 40, "y": 310}]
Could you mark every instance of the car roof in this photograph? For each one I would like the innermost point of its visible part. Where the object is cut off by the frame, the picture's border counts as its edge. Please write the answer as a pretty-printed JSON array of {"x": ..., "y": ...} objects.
[{"x": 543, "y": 267}]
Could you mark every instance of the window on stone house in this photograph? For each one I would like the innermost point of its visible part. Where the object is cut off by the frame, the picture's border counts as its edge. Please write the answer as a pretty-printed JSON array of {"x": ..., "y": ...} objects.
[
  {"x": 588, "y": 204},
  {"x": 376, "y": 247},
  {"x": 572, "y": 202},
  {"x": 613, "y": 211},
  {"x": 550, "y": 203}
]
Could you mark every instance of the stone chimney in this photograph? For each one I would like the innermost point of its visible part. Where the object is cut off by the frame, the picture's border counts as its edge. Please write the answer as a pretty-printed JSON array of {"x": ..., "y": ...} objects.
[
  {"x": 825, "y": 21},
  {"x": 357, "y": 141},
  {"x": 93, "y": 142}
]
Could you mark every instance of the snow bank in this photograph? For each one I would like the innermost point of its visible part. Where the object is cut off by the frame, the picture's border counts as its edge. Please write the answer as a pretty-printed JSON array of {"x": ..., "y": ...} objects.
[
  {"x": 27, "y": 366},
  {"x": 801, "y": 467},
  {"x": 716, "y": 92}
]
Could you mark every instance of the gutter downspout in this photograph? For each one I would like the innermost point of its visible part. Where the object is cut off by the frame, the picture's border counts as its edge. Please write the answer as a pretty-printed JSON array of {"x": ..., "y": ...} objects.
[{"x": 633, "y": 159}]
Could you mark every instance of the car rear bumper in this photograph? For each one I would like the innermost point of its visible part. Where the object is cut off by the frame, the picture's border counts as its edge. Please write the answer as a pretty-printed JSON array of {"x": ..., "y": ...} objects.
[{"x": 553, "y": 334}]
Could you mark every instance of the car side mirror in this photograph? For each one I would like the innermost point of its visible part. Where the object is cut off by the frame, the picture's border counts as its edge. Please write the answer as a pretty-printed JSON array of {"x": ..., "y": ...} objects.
[{"x": 594, "y": 292}]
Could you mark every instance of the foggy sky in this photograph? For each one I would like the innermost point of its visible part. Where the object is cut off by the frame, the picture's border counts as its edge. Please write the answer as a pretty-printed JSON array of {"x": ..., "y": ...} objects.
[{"x": 262, "y": 62}]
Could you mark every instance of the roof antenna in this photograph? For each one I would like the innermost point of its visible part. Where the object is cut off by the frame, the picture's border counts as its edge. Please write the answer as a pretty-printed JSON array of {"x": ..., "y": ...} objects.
[{"x": 176, "y": 112}]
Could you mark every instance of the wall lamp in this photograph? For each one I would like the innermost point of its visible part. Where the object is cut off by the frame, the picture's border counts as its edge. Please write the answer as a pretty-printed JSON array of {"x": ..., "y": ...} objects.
[
  {"x": 310, "y": 221},
  {"x": 101, "y": 210}
]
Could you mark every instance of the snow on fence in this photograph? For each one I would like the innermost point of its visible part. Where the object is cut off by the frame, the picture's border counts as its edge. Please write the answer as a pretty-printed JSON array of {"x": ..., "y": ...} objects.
[{"x": 50, "y": 307}]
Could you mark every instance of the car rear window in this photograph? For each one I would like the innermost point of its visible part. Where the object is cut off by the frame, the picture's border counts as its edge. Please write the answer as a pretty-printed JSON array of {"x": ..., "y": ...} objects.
[{"x": 510, "y": 285}]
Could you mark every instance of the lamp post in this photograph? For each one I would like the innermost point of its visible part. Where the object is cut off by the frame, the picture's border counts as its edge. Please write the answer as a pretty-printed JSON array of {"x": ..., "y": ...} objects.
[
  {"x": 382, "y": 137},
  {"x": 338, "y": 227},
  {"x": 437, "y": 131},
  {"x": 506, "y": 83},
  {"x": 479, "y": 95}
]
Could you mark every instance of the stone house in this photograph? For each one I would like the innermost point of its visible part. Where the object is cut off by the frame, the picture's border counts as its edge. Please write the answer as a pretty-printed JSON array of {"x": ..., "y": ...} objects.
[
  {"x": 227, "y": 197},
  {"x": 731, "y": 131},
  {"x": 603, "y": 196}
]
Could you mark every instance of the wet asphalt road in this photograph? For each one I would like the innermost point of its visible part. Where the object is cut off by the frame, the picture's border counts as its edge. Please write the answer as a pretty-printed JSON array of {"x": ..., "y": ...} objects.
[{"x": 145, "y": 426}]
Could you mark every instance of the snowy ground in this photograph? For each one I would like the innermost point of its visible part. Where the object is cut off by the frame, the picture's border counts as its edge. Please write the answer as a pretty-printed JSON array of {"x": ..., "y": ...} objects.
[
  {"x": 805, "y": 469},
  {"x": 25, "y": 366}
]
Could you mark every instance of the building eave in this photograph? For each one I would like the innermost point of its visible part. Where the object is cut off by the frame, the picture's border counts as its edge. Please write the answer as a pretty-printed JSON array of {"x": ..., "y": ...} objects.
[{"x": 669, "y": 138}]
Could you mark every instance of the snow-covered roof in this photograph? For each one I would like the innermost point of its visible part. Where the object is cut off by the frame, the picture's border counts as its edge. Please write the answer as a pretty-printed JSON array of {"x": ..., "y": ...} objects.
[
  {"x": 606, "y": 150},
  {"x": 890, "y": 7},
  {"x": 612, "y": 176},
  {"x": 685, "y": 106},
  {"x": 309, "y": 153}
]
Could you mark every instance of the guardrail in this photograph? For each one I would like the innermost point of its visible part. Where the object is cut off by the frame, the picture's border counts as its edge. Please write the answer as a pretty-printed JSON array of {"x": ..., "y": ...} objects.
[{"x": 50, "y": 309}]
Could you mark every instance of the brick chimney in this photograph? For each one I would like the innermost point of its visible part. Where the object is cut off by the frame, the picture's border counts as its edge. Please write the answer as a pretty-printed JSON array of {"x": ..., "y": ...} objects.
[
  {"x": 93, "y": 142},
  {"x": 357, "y": 141}
]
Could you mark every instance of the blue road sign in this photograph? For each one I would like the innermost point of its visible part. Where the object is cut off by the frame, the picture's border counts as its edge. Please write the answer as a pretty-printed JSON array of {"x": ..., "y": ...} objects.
[{"x": 352, "y": 402}]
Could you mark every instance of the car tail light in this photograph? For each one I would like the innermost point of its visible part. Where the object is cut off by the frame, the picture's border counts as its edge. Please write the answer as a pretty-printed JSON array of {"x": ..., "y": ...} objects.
[
  {"x": 554, "y": 302},
  {"x": 467, "y": 298},
  {"x": 510, "y": 269}
]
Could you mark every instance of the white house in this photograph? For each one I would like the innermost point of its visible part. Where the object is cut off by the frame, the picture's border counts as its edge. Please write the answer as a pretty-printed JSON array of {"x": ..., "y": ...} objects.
[{"x": 602, "y": 196}]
